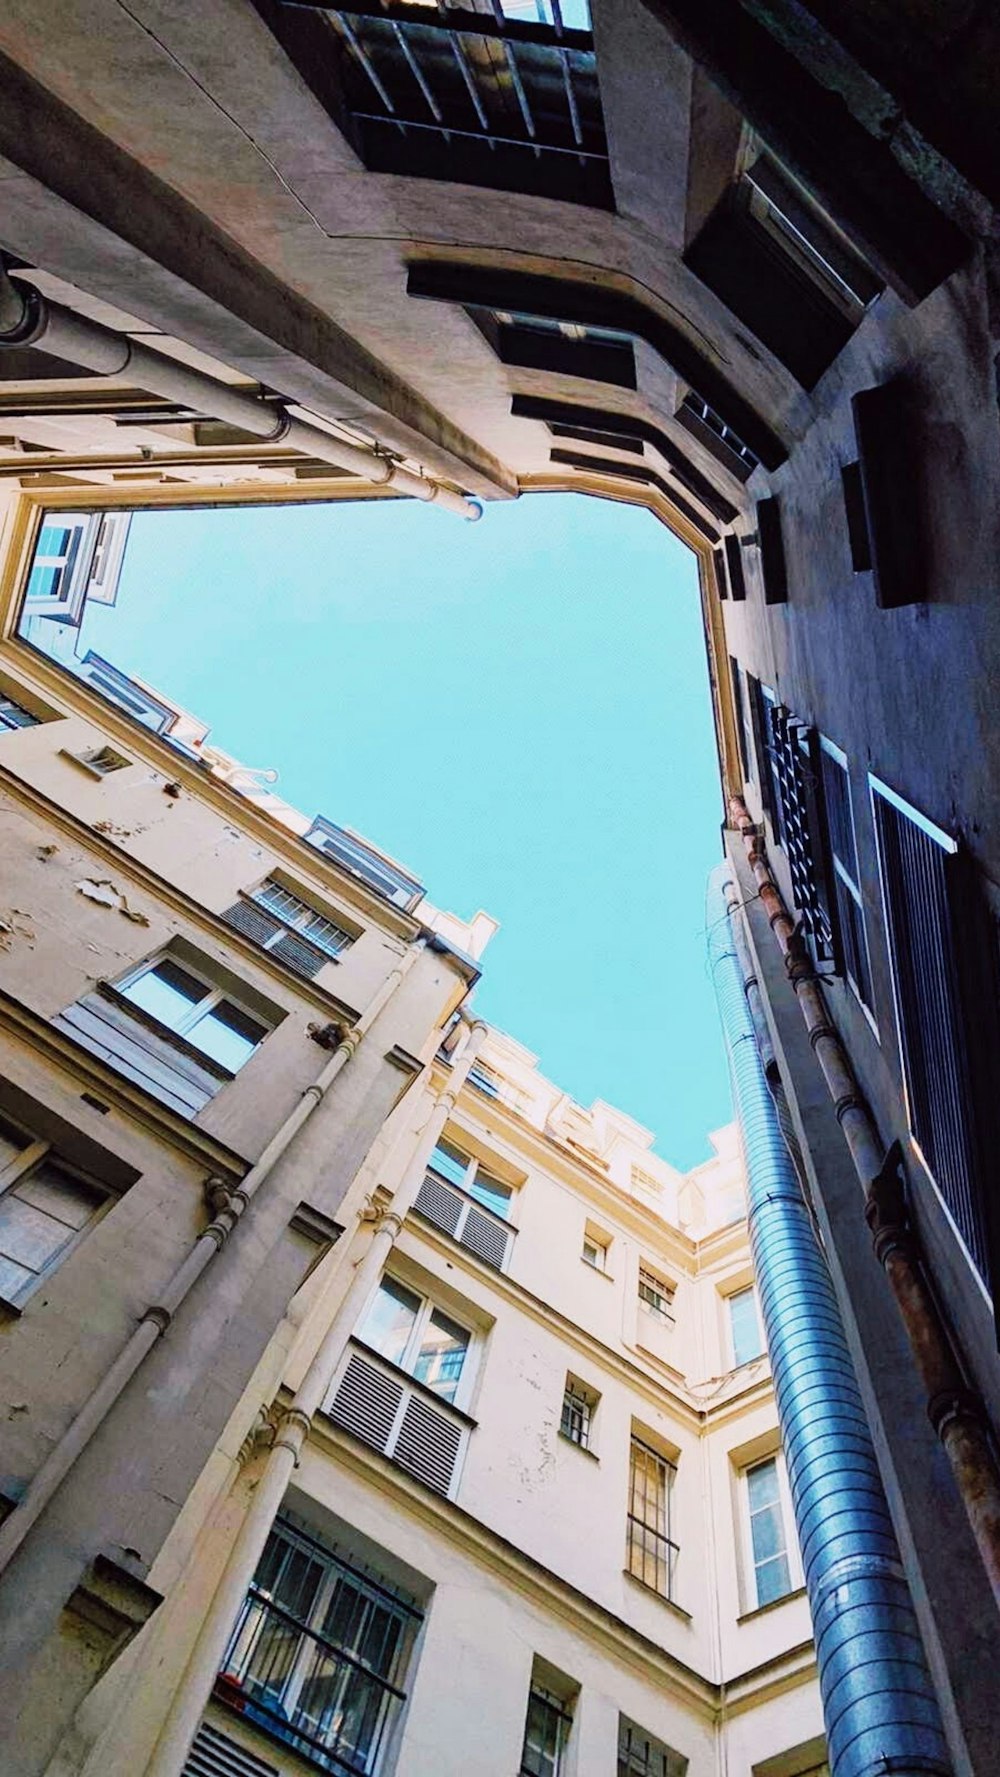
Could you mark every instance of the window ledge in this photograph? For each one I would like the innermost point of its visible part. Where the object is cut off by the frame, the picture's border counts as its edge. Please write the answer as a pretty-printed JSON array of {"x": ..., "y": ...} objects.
[
  {"x": 9, "y": 1310},
  {"x": 651, "y": 1592},
  {"x": 584, "y": 1451},
  {"x": 762, "y": 1610},
  {"x": 597, "y": 1271}
]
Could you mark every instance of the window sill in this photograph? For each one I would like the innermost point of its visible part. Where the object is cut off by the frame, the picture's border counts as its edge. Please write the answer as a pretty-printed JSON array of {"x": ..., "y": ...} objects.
[
  {"x": 597, "y": 1270},
  {"x": 9, "y": 1310},
  {"x": 584, "y": 1451},
  {"x": 651, "y": 1592},
  {"x": 762, "y": 1610}
]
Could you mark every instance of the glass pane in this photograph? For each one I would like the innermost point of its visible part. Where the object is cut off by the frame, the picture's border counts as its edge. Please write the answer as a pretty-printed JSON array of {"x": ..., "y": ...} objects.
[
  {"x": 389, "y": 1322},
  {"x": 43, "y": 583},
  {"x": 768, "y": 1533},
  {"x": 67, "y": 1200},
  {"x": 166, "y": 992},
  {"x": 28, "y": 1236},
  {"x": 542, "y": 1734},
  {"x": 227, "y": 1034},
  {"x": 12, "y": 1143},
  {"x": 762, "y": 1485},
  {"x": 450, "y": 1162},
  {"x": 441, "y": 1356},
  {"x": 773, "y": 1580},
  {"x": 491, "y": 1192},
  {"x": 747, "y": 1341}
]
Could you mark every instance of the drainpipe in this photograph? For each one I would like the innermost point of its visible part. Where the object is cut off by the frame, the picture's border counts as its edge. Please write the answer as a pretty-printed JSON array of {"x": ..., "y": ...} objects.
[
  {"x": 192, "y": 1694},
  {"x": 228, "y": 1205},
  {"x": 27, "y": 318},
  {"x": 879, "y": 1704},
  {"x": 955, "y": 1410}
]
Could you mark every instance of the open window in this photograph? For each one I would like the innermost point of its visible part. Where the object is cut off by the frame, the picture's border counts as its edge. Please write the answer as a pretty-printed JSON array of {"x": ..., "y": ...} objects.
[{"x": 47, "y": 1207}]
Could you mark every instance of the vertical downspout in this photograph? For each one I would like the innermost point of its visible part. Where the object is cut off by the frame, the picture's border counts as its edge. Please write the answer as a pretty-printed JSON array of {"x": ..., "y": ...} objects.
[
  {"x": 879, "y": 1705},
  {"x": 294, "y": 1425}
]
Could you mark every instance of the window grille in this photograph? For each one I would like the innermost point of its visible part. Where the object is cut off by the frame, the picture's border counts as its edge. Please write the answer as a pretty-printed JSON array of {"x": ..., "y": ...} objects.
[
  {"x": 794, "y": 754},
  {"x": 945, "y": 988},
  {"x": 654, "y": 1294},
  {"x": 546, "y": 1732},
  {"x": 641, "y": 1755},
  {"x": 280, "y": 922},
  {"x": 14, "y": 715},
  {"x": 319, "y": 1654},
  {"x": 577, "y": 1413},
  {"x": 652, "y": 1553}
]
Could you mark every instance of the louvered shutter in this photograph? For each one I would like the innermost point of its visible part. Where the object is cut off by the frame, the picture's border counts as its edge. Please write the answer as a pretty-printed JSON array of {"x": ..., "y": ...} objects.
[
  {"x": 485, "y": 1237},
  {"x": 215, "y": 1755},
  {"x": 438, "y": 1204},
  {"x": 304, "y": 958},
  {"x": 366, "y": 1402},
  {"x": 249, "y": 920},
  {"x": 428, "y": 1444}
]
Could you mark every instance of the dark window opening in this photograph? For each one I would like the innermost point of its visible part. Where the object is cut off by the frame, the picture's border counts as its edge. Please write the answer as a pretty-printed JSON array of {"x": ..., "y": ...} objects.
[
  {"x": 725, "y": 445},
  {"x": 857, "y": 522},
  {"x": 567, "y": 348}
]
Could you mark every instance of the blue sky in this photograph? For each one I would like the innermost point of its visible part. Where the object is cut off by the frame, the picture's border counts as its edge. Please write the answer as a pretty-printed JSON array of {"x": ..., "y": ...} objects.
[{"x": 517, "y": 710}]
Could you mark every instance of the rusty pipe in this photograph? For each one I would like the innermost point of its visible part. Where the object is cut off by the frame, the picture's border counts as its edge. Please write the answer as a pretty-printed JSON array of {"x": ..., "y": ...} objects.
[{"x": 955, "y": 1410}]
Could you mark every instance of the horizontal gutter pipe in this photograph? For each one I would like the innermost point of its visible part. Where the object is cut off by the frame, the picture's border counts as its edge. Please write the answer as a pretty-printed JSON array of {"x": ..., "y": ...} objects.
[
  {"x": 293, "y": 1428},
  {"x": 955, "y": 1410},
  {"x": 27, "y": 318},
  {"x": 228, "y": 1206},
  {"x": 879, "y": 1704}
]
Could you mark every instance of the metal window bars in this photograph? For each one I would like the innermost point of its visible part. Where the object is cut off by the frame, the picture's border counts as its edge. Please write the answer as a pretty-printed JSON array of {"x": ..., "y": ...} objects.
[
  {"x": 577, "y": 1412},
  {"x": 652, "y": 1552},
  {"x": 654, "y": 1294},
  {"x": 793, "y": 757}
]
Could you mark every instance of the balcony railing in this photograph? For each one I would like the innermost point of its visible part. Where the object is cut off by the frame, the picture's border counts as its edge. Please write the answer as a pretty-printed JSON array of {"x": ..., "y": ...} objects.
[
  {"x": 305, "y": 1690},
  {"x": 458, "y": 1213}
]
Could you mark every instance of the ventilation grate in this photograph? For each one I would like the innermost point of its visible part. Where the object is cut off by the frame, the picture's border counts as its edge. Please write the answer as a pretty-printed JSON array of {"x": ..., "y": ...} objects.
[
  {"x": 366, "y": 1402},
  {"x": 486, "y": 1238},
  {"x": 215, "y": 1755},
  {"x": 438, "y": 1204},
  {"x": 428, "y": 1445},
  {"x": 249, "y": 920},
  {"x": 304, "y": 958}
]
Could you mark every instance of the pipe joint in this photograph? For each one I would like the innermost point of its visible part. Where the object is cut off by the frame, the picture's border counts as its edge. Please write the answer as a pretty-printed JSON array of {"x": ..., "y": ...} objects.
[
  {"x": 951, "y": 1406},
  {"x": 27, "y": 305},
  {"x": 293, "y": 1430},
  {"x": 159, "y": 1317}
]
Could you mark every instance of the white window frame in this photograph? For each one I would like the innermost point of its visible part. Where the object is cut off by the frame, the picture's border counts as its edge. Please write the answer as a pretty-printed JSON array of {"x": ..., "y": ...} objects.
[
  {"x": 796, "y": 1577},
  {"x": 843, "y": 875},
  {"x": 66, "y": 603},
  {"x": 745, "y": 1289},
  {"x": 659, "y": 1287},
  {"x": 7, "y": 726},
  {"x": 468, "y": 1181},
  {"x": 303, "y": 919},
  {"x": 601, "y": 1249},
  {"x": 582, "y": 1401},
  {"x": 214, "y": 996},
  {"x": 20, "y": 1167},
  {"x": 429, "y": 1305}
]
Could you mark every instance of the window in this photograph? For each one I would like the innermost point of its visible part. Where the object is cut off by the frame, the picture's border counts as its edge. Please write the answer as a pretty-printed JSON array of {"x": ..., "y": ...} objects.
[
  {"x": 725, "y": 445},
  {"x": 487, "y": 1080},
  {"x": 652, "y": 1554},
  {"x": 99, "y": 761},
  {"x": 319, "y": 1653},
  {"x": 45, "y": 1210},
  {"x": 170, "y": 1027},
  {"x": 362, "y": 860},
  {"x": 78, "y": 556},
  {"x": 767, "y": 1517},
  {"x": 943, "y": 956},
  {"x": 655, "y": 1296},
  {"x": 744, "y": 1326},
  {"x": 578, "y": 1408},
  {"x": 594, "y": 1251},
  {"x": 409, "y": 1331},
  {"x": 463, "y": 1198},
  {"x": 193, "y": 1009},
  {"x": 546, "y": 1731},
  {"x": 281, "y": 922},
  {"x": 14, "y": 715},
  {"x": 846, "y": 875},
  {"x": 640, "y": 1754},
  {"x": 763, "y": 705}
]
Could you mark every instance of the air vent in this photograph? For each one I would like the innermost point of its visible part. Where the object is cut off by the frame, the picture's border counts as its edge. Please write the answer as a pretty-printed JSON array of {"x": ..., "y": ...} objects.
[
  {"x": 428, "y": 1444},
  {"x": 366, "y": 1402},
  {"x": 399, "y": 1420},
  {"x": 249, "y": 920},
  {"x": 485, "y": 1237},
  {"x": 304, "y": 958},
  {"x": 215, "y": 1755},
  {"x": 438, "y": 1204}
]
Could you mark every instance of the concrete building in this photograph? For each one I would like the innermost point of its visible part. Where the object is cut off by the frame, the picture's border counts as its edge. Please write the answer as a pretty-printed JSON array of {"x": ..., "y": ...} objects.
[
  {"x": 731, "y": 262},
  {"x": 519, "y": 1323}
]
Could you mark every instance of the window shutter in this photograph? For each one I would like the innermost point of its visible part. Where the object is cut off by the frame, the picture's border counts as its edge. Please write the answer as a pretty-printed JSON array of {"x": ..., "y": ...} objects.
[
  {"x": 366, "y": 1402},
  {"x": 486, "y": 1238},
  {"x": 301, "y": 956},
  {"x": 253, "y": 924},
  {"x": 215, "y": 1755},
  {"x": 772, "y": 551},
  {"x": 734, "y": 566},
  {"x": 428, "y": 1444},
  {"x": 890, "y": 483},
  {"x": 438, "y": 1204}
]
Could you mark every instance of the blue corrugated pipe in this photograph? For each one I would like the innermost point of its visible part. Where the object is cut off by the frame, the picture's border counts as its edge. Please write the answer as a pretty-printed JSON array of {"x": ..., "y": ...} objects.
[{"x": 879, "y": 1705}]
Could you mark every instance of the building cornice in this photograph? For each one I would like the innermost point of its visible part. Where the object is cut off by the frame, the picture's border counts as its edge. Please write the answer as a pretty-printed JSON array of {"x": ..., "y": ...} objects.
[{"x": 710, "y": 1698}]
